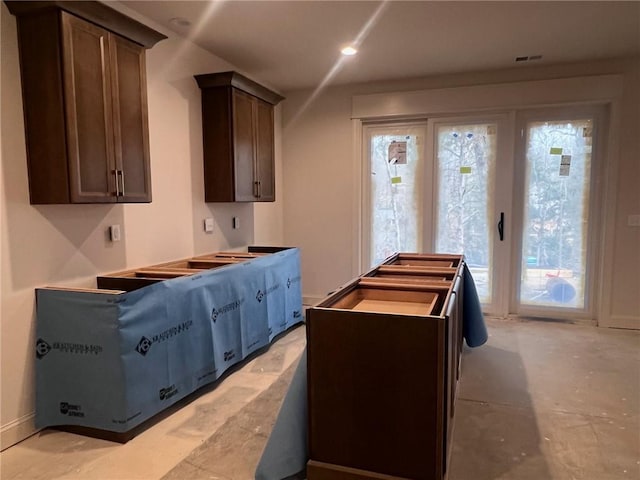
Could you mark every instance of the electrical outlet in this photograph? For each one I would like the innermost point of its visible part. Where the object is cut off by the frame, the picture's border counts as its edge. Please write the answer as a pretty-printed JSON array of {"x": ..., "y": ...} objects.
[
  {"x": 236, "y": 223},
  {"x": 633, "y": 220}
]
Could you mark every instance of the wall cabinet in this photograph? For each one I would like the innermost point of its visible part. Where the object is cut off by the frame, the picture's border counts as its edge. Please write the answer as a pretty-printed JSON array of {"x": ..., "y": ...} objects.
[
  {"x": 238, "y": 138},
  {"x": 85, "y": 104}
]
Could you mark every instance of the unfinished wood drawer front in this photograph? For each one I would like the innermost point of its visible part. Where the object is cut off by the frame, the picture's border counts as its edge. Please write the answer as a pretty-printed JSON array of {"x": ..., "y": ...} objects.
[
  {"x": 427, "y": 259},
  {"x": 382, "y": 300},
  {"x": 387, "y": 306},
  {"x": 413, "y": 278},
  {"x": 126, "y": 281},
  {"x": 425, "y": 263},
  {"x": 130, "y": 280},
  {"x": 422, "y": 283},
  {"x": 166, "y": 272},
  {"x": 238, "y": 255},
  {"x": 202, "y": 264},
  {"x": 409, "y": 271},
  {"x": 375, "y": 392}
]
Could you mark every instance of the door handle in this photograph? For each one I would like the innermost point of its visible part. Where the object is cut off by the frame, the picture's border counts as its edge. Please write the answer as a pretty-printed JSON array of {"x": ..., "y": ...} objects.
[
  {"x": 115, "y": 173},
  {"x": 501, "y": 227},
  {"x": 122, "y": 178}
]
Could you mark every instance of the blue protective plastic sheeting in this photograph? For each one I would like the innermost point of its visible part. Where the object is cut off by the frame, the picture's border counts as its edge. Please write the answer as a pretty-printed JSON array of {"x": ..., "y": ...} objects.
[
  {"x": 473, "y": 326},
  {"x": 286, "y": 453},
  {"x": 111, "y": 361},
  {"x": 68, "y": 354}
]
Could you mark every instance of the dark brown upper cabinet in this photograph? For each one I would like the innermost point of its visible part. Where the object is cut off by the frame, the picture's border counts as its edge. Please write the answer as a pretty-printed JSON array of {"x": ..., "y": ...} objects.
[
  {"x": 85, "y": 102},
  {"x": 237, "y": 131}
]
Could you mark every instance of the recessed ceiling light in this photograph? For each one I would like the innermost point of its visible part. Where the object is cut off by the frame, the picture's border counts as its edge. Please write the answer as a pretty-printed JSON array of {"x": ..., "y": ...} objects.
[
  {"x": 349, "y": 51},
  {"x": 180, "y": 22}
]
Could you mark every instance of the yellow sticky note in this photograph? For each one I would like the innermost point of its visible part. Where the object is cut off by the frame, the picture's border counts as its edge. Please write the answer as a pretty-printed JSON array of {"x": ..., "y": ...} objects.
[
  {"x": 396, "y": 180},
  {"x": 465, "y": 170},
  {"x": 556, "y": 151}
]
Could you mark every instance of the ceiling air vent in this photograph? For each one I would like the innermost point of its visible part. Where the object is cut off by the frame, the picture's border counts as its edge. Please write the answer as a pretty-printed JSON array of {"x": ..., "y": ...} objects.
[{"x": 529, "y": 58}]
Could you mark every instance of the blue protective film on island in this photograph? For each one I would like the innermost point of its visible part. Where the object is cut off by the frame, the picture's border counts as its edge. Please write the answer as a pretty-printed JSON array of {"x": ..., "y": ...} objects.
[{"x": 473, "y": 328}]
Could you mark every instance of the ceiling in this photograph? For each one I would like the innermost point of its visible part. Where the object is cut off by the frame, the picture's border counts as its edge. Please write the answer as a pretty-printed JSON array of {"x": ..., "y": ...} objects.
[{"x": 295, "y": 44}]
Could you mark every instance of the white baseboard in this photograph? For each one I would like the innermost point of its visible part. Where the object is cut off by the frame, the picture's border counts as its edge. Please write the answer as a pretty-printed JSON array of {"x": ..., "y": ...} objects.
[
  {"x": 17, "y": 430},
  {"x": 621, "y": 321}
]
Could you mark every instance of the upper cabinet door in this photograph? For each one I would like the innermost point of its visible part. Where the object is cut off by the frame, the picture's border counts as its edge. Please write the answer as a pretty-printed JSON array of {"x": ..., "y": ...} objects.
[
  {"x": 88, "y": 112},
  {"x": 130, "y": 126},
  {"x": 244, "y": 146},
  {"x": 265, "y": 171}
]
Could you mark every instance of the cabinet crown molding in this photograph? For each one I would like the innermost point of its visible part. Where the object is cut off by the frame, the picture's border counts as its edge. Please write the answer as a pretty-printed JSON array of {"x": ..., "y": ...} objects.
[
  {"x": 234, "y": 79},
  {"x": 94, "y": 12}
]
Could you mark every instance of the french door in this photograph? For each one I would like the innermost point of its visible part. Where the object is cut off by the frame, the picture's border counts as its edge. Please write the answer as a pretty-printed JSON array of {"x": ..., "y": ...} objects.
[
  {"x": 395, "y": 193},
  {"x": 557, "y": 178},
  {"x": 471, "y": 198},
  {"x": 514, "y": 192}
]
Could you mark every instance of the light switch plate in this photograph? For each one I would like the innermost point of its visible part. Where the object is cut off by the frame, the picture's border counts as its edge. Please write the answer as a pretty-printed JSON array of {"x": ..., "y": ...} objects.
[
  {"x": 208, "y": 225},
  {"x": 236, "y": 223},
  {"x": 114, "y": 233}
]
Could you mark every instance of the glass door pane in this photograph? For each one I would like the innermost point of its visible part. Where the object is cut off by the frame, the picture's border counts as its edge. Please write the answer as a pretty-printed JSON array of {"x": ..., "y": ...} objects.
[
  {"x": 396, "y": 190},
  {"x": 465, "y": 165},
  {"x": 556, "y": 210}
]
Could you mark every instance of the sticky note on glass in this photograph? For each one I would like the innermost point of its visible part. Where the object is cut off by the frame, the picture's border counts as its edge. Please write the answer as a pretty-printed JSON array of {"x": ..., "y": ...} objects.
[
  {"x": 556, "y": 151},
  {"x": 396, "y": 180},
  {"x": 565, "y": 160},
  {"x": 564, "y": 170},
  {"x": 465, "y": 170}
]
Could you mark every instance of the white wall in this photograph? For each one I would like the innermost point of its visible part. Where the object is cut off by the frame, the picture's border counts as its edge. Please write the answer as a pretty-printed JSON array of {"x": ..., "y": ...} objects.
[
  {"x": 320, "y": 178},
  {"x": 68, "y": 245},
  {"x": 268, "y": 227}
]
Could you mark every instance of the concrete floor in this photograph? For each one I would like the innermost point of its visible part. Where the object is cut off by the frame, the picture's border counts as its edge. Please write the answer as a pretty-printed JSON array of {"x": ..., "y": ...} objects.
[
  {"x": 52, "y": 454},
  {"x": 545, "y": 400},
  {"x": 541, "y": 400}
]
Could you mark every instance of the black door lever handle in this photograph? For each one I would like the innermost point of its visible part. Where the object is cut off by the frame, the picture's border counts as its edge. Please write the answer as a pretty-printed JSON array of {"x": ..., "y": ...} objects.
[{"x": 501, "y": 227}]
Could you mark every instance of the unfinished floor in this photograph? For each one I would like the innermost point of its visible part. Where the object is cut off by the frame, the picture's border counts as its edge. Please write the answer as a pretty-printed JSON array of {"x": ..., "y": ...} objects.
[{"x": 541, "y": 400}]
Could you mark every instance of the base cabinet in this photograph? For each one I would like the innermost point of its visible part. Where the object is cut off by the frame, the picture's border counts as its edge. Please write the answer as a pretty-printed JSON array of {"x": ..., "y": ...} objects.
[
  {"x": 383, "y": 359},
  {"x": 109, "y": 359}
]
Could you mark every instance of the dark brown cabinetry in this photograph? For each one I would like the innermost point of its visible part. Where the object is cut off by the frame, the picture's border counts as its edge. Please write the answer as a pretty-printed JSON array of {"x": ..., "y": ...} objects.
[
  {"x": 85, "y": 105},
  {"x": 382, "y": 366},
  {"x": 237, "y": 130}
]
